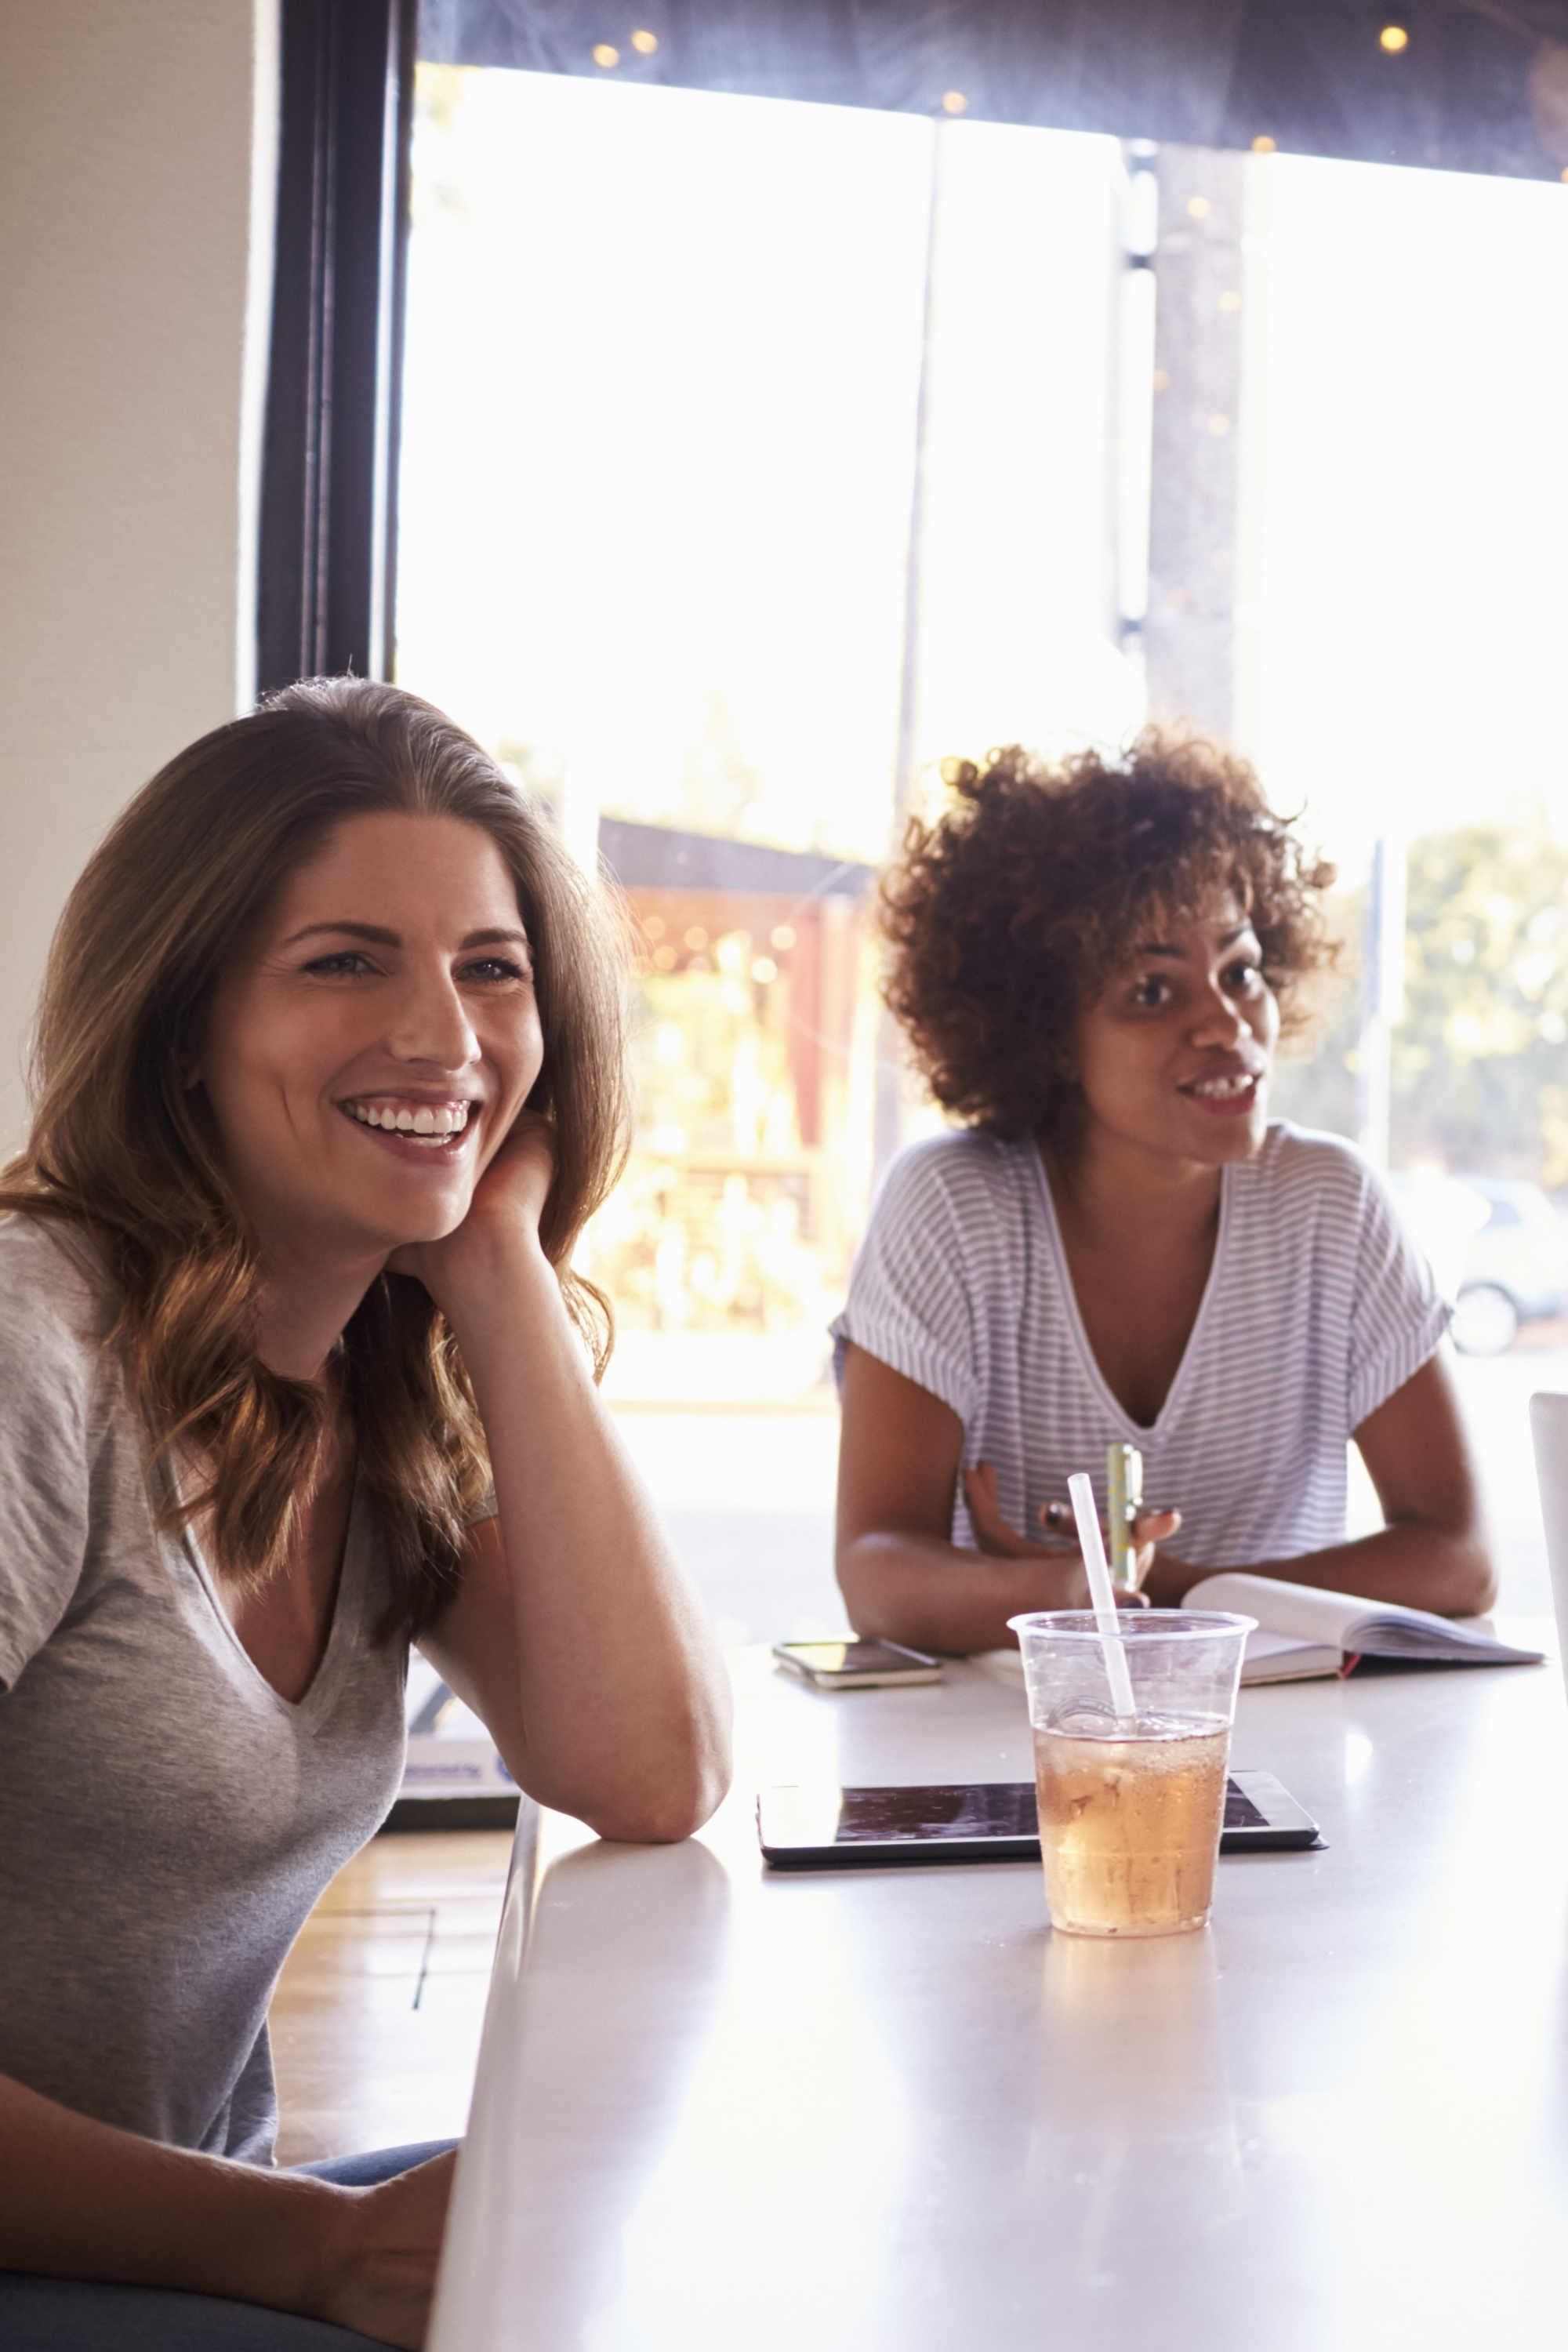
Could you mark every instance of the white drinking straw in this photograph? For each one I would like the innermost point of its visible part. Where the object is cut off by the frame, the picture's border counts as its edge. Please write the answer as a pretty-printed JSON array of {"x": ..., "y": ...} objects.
[{"x": 1101, "y": 1595}]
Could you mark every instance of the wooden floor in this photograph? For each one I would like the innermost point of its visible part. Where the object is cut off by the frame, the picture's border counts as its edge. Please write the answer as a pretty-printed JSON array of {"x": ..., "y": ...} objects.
[{"x": 375, "y": 2023}]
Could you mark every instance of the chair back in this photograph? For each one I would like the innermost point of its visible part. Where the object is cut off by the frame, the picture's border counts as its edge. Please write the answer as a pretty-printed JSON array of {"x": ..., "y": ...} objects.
[{"x": 1549, "y": 1431}]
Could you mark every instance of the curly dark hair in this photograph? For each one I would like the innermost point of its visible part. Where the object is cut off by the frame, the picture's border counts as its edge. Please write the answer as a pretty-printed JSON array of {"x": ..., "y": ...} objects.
[{"x": 1010, "y": 909}]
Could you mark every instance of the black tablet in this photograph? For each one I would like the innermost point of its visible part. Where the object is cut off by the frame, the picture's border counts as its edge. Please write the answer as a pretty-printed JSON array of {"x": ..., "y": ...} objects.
[{"x": 816, "y": 1828}]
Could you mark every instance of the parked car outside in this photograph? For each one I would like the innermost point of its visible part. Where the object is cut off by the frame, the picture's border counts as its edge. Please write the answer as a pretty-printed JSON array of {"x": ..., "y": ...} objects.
[{"x": 1498, "y": 1247}]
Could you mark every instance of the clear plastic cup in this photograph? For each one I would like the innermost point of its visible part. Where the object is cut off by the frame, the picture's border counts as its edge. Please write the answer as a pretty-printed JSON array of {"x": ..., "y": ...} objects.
[{"x": 1130, "y": 1813}]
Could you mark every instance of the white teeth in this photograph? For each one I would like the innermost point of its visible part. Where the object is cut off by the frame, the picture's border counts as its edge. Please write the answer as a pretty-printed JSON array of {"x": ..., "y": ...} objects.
[{"x": 434, "y": 1124}]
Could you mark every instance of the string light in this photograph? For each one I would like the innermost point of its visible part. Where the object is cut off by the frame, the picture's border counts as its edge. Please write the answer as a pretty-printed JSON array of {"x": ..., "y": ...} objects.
[
  {"x": 1219, "y": 427},
  {"x": 953, "y": 101},
  {"x": 1228, "y": 302},
  {"x": 1394, "y": 37},
  {"x": 1198, "y": 206},
  {"x": 1263, "y": 144},
  {"x": 606, "y": 56},
  {"x": 645, "y": 43}
]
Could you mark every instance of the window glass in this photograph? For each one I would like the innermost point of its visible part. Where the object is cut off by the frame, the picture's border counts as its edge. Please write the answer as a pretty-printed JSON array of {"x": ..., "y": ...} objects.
[{"x": 758, "y": 456}]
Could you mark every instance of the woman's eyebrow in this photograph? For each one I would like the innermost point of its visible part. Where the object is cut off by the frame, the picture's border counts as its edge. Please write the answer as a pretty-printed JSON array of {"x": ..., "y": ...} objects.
[
  {"x": 1179, "y": 955},
  {"x": 382, "y": 938},
  {"x": 375, "y": 932}
]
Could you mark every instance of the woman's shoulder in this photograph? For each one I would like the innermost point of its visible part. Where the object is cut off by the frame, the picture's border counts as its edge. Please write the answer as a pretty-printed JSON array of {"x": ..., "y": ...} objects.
[
  {"x": 55, "y": 1303},
  {"x": 965, "y": 1167},
  {"x": 1315, "y": 1199},
  {"x": 1299, "y": 1164}
]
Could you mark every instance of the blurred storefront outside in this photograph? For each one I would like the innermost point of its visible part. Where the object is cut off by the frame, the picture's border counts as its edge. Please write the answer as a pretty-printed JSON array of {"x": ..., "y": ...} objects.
[{"x": 727, "y": 1244}]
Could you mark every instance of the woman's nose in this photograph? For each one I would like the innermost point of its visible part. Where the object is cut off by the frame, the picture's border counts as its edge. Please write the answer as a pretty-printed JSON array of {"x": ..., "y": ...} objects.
[
  {"x": 431, "y": 1025},
  {"x": 1220, "y": 1019}
]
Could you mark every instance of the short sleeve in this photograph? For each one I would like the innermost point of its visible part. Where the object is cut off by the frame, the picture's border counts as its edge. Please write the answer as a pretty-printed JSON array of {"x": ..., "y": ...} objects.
[
  {"x": 46, "y": 1381},
  {"x": 1398, "y": 1314},
  {"x": 911, "y": 1301}
]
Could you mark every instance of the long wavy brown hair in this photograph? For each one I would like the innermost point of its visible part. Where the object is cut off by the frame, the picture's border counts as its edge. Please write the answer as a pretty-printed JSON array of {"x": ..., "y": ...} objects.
[
  {"x": 1010, "y": 908},
  {"x": 121, "y": 1149}
]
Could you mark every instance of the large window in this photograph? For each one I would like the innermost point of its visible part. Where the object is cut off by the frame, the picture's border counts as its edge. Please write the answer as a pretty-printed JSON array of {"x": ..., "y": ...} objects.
[{"x": 757, "y": 456}]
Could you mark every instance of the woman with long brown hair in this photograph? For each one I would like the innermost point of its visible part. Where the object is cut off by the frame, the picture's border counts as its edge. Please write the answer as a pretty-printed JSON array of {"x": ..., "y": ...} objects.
[{"x": 294, "y": 1370}]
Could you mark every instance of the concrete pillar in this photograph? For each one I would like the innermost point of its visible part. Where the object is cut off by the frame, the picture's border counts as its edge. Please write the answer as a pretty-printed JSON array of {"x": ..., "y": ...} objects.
[{"x": 1189, "y": 637}]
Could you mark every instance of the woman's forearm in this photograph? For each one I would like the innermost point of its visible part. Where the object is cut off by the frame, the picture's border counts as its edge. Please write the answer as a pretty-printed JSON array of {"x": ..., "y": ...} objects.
[
  {"x": 936, "y": 1596},
  {"x": 625, "y": 1699},
  {"x": 1413, "y": 1563},
  {"x": 81, "y": 2199}
]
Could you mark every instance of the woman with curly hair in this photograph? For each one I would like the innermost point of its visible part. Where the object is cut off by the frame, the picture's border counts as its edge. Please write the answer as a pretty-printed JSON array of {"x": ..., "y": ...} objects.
[
  {"x": 293, "y": 1371},
  {"x": 1092, "y": 962}
]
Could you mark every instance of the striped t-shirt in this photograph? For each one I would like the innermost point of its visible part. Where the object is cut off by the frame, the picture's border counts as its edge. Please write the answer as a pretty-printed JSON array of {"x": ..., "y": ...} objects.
[{"x": 1317, "y": 1308}]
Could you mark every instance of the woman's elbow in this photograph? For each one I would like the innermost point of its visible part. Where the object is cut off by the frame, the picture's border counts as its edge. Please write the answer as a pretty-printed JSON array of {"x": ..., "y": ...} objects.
[
  {"x": 1479, "y": 1584},
  {"x": 663, "y": 1819},
  {"x": 673, "y": 1806},
  {"x": 871, "y": 1596},
  {"x": 1469, "y": 1584}
]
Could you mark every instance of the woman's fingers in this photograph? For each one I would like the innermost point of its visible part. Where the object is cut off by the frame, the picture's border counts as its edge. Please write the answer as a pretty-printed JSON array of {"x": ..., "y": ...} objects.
[
  {"x": 1149, "y": 1529},
  {"x": 992, "y": 1532},
  {"x": 1155, "y": 1526}
]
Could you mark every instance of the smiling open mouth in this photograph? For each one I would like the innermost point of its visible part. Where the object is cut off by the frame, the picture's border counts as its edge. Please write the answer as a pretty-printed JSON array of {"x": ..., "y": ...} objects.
[
  {"x": 428, "y": 1125},
  {"x": 1224, "y": 1090}
]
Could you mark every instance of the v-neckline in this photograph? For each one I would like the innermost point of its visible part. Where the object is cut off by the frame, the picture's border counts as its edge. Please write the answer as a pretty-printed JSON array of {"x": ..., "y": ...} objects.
[
  {"x": 346, "y": 1612},
  {"x": 1137, "y": 1431}
]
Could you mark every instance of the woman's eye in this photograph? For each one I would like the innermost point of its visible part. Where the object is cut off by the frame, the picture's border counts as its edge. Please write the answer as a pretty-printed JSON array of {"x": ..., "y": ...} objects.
[
  {"x": 1151, "y": 992},
  {"x": 1244, "y": 977},
  {"x": 491, "y": 969},
  {"x": 347, "y": 961}
]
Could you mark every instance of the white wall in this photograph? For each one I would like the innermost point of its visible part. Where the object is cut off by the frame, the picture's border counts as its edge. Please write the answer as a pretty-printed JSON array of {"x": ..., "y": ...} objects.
[{"x": 137, "y": 142}]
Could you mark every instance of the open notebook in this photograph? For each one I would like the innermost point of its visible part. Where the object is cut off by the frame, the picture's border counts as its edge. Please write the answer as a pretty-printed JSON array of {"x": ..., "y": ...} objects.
[{"x": 1303, "y": 1631}]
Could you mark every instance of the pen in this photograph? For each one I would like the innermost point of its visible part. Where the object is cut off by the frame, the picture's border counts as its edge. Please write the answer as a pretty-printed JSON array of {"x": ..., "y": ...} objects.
[{"x": 1124, "y": 1500}]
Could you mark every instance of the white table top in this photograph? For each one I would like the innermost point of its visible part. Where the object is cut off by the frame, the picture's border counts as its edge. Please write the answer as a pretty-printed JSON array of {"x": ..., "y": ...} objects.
[{"x": 720, "y": 2110}]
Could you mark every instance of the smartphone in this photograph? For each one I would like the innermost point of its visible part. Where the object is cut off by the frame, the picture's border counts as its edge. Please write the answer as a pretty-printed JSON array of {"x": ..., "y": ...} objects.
[
  {"x": 988, "y": 1821},
  {"x": 857, "y": 1665}
]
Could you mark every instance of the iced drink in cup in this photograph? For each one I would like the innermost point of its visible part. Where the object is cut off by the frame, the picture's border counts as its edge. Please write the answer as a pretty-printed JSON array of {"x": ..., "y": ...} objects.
[{"x": 1131, "y": 1808}]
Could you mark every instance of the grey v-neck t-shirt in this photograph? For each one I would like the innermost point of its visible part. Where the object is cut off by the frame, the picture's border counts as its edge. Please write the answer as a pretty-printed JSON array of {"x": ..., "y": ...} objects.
[
  {"x": 1317, "y": 1308},
  {"x": 166, "y": 1819}
]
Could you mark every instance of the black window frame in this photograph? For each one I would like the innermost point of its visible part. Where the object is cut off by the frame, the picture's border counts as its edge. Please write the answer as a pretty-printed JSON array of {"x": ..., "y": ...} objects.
[{"x": 327, "y": 540}]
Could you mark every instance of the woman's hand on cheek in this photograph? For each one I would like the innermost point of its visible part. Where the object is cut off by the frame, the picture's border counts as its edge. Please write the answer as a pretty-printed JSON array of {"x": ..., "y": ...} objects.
[{"x": 505, "y": 1210}]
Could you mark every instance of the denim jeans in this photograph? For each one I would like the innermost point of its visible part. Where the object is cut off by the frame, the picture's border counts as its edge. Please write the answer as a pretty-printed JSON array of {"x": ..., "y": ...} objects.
[{"x": 50, "y": 2315}]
